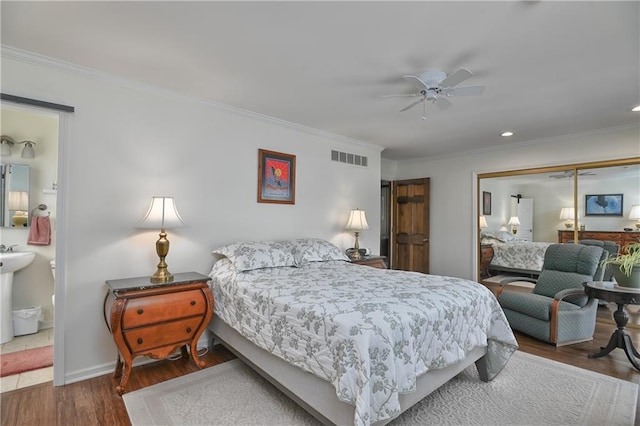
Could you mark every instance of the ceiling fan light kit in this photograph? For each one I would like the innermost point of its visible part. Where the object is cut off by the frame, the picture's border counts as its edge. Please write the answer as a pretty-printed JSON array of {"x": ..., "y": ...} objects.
[{"x": 436, "y": 86}]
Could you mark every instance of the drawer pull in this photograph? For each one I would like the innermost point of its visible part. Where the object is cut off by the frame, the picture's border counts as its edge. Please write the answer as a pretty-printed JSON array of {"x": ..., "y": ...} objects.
[
  {"x": 188, "y": 329},
  {"x": 140, "y": 311},
  {"x": 139, "y": 341},
  {"x": 193, "y": 303}
]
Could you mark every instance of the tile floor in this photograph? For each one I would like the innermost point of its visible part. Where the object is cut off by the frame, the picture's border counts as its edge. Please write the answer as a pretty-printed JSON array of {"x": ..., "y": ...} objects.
[{"x": 29, "y": 378}]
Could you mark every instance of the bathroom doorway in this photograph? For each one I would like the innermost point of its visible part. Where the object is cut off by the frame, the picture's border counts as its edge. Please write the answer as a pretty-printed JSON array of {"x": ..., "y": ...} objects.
[{"x": 34, "y": 286}]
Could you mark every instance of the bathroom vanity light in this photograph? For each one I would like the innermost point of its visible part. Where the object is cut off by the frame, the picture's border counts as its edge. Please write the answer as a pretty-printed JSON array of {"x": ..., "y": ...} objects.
[
  {"x": 6, "y": 142},
  {"x": 357, "y": 222},
  {"x": 162, "y": 214},
  {"x": 27, "y": 151}
]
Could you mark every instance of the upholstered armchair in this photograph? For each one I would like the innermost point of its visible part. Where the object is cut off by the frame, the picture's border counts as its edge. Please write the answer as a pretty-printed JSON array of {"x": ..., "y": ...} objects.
[
  {"x": 611, "y": 247},
  {"x": 557, "y": 310}
]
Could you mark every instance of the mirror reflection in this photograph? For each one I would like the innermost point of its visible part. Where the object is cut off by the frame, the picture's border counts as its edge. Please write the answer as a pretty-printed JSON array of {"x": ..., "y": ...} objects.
[
  {"x": 529, "y": 210},
  {"x": 14, "y": 187}
]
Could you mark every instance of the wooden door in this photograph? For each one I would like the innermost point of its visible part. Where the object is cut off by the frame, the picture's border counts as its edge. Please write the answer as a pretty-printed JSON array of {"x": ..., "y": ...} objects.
[{"x": 411, "y": 225}]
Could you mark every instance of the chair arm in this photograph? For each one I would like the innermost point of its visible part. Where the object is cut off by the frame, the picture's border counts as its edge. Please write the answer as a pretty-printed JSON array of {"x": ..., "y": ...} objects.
[
  {"x": 506, "y": 281},
  {"x": 569, "y": 292}
]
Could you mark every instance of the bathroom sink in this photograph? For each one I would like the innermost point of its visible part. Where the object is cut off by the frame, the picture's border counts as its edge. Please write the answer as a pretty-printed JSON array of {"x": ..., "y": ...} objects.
[
  {"x": 14, "y": 261},
  {"x": 9, "y": 263}
]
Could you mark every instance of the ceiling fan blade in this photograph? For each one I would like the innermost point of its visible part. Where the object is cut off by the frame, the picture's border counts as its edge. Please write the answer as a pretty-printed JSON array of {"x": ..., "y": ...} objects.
[
  {"x": 465, "y": 91},
  {"x": 414, "y": 78},
  {"x": 411, "y": 105},
  {"x": 410, "y": 95},
  {"x": 443, "y": 103},
  {"x": 456, "y": 78}
]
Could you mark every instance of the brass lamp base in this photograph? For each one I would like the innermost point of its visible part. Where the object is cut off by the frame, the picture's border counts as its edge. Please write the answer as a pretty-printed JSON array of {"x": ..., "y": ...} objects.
[
  {"x": 356, "y": 246},
  {"x": 162, "y": 274}
]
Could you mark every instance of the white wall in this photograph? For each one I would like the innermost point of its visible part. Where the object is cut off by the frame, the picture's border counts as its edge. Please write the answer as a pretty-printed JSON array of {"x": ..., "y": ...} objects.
[
  {"x": 33, "y": 286},
  {"x": 453, "y": 185},
  {"x": 128, "y": 142}
]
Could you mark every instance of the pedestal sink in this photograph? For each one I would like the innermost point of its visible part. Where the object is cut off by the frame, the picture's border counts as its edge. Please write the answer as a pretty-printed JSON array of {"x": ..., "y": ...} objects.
[{"x": 9, "y": 263}]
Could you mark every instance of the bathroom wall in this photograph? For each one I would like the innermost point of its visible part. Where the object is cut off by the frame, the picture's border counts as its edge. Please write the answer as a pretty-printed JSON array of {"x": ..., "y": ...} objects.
[{"x": 33, "y": 285}]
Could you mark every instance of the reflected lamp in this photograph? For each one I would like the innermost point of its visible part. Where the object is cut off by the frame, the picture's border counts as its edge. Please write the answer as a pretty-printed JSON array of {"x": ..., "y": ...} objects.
[
  {"x": 634, "y": 214},
  {"x": 356, "y": 223},
  {"x": 18, "y": 202},
  {"x": 514, "y": 222},
  {"x": 163, "y": 215},
  {"x": 483, "y": 222},
  {"x": 567, "y": 214}
]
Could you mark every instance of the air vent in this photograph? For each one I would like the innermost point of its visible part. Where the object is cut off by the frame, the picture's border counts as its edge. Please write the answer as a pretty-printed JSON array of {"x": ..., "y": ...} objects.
[{"x": 349, "y": 158}]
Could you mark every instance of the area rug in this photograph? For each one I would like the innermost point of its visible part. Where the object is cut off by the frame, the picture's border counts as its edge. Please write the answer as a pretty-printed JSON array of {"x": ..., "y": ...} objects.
[
  {"x": 27, "y": 360},
  {"x": 530, "y": 391}
]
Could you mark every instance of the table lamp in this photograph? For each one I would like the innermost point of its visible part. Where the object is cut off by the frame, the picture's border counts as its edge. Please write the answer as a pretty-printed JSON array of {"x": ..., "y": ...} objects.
[
  {"x": 18, "y": 202},
  {"x": 483, "y": 222},
  {"x": 514, "y": 222},
  {"x": 357, "y": 222},
  {"x": 634, "y": 214},
  {"x": 567, "y": 214},
  {"x": 162, "y": 214}
]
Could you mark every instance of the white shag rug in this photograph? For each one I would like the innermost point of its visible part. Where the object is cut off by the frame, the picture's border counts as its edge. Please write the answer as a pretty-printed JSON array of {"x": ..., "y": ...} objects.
[{"x": 530, "y": 391}]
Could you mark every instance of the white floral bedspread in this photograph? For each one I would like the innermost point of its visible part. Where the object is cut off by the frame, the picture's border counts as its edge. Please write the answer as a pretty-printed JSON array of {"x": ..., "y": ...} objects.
[
  {"x": 370, "y": 332},
  {"x": 518, "y": 254}
]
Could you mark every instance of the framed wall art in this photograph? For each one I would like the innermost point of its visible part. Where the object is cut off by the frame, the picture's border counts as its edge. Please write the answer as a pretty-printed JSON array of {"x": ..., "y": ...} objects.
[
  {"x": 603, "y": 205},
  {"x": 486, "y": 203},
  {"x": 276, "y": 177}
]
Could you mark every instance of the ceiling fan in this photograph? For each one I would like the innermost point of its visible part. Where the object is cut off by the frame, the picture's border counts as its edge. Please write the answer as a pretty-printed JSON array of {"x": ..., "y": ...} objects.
[
  {"x": 437, "y": 86},
  {"x": 569, "y": 174}
]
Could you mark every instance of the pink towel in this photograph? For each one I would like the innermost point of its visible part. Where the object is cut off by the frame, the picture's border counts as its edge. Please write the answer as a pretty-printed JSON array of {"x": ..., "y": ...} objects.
[{"x": 40, "y": 231}]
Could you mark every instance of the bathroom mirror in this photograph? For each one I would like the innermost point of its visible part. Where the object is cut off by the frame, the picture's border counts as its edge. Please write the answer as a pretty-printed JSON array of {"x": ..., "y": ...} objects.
[{"x": 14, "y": 198}]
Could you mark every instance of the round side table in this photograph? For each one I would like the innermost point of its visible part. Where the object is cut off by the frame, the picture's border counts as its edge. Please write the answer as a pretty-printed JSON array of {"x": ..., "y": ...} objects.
[{"x": 621, "y": 296}]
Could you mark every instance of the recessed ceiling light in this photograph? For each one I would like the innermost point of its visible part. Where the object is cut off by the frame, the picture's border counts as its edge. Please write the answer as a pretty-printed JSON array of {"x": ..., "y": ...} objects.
[
  {"x": 636, "y": 109},
  {"x": 505, "y": 134}
]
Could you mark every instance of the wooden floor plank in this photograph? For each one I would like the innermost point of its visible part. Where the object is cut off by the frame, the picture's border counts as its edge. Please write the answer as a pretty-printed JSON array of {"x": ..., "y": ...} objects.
[{"x": 95, "y": 401}]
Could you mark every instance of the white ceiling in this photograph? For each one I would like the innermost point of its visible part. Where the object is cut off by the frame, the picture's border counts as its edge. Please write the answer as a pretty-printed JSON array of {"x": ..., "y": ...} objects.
[{"x": 549, "y": 68}]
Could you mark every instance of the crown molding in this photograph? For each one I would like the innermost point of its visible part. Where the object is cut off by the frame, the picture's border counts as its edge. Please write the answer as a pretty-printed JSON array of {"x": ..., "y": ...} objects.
[{"x": 36, "y": 59}]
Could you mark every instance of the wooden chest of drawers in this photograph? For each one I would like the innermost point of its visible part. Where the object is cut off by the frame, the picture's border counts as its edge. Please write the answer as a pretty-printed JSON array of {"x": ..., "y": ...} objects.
[
  {"x": 148, "y": 319},
  {"x": 620, "y": 237}
]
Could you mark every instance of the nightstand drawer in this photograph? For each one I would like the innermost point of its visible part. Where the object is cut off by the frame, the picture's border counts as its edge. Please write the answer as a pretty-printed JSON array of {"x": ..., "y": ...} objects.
[
  {"x": 176, "y": 332},
  {"x": 153, "y": 309}
]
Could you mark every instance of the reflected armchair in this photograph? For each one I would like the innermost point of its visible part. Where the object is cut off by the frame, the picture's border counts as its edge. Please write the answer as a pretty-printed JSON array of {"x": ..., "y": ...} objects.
[{"x": 557, "y": 310}]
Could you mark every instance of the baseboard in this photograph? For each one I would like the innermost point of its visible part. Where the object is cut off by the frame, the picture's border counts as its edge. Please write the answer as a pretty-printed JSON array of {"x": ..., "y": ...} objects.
[{"x": 109, "y": 367}]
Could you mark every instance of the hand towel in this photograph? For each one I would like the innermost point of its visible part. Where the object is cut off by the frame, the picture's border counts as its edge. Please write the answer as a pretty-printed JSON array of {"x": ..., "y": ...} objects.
[{"x": 40, "y": 231}]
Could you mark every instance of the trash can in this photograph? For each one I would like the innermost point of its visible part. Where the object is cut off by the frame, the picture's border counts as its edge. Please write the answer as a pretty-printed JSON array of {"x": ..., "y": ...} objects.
[{"x": 25, "y": 321}]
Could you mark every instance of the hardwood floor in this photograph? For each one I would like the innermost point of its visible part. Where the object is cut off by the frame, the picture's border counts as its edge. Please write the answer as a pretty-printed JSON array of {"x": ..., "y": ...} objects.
[{"x": 95, "y": 401}]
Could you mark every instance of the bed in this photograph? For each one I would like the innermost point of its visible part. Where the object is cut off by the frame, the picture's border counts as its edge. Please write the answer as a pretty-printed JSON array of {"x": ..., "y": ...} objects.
[
  {"x": 513, "y": 254},
  {"x": 352, "y": 344}
]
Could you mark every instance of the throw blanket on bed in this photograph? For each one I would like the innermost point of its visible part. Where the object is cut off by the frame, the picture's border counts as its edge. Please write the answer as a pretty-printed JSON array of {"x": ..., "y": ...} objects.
[{"x": 370, "y": 332}]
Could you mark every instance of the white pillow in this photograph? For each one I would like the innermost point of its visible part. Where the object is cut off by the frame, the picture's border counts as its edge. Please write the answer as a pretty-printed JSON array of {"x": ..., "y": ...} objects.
[
  {"x": 316, "y": 250},
  {"x": 503, "y": 236},
  {"x": 246, "y": 256}
]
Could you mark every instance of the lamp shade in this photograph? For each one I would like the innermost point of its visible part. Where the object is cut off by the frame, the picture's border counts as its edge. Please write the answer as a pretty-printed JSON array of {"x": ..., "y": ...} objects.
[
  {"x": 162, "y": 214},
  {"x": 567, "y": 213},
  {"x": 483, "y": 222},
  {"x": 28, "y": 151},
  {"x": 18, "y": 200},
  {"x": 357, "y": 220},
  {"x": 635, "y": 212},
  {"x": 514, "y": 220}
]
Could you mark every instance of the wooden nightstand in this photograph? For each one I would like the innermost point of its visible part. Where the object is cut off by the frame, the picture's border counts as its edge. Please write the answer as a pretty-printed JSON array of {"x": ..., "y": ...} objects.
[
  {"x": 486, "y": 256},
  {"x": 152, "y": 319},
  {"x": 373, "y": 261}
]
